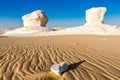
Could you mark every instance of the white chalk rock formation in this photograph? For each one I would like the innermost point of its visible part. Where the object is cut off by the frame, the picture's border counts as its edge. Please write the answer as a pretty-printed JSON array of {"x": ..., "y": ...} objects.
[
  {"x": 36, "y": 18},
  {"x": 27, "y": 31},
  {"x": 95, "y": 16},
  {"x": 34, "y": 22},
  {"x": 58, "y": 69},
  {"x": 34, "y": 25}
]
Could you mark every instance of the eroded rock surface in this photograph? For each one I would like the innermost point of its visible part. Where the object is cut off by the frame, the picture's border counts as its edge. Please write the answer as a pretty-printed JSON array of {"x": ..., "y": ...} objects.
[
  {"x": 36, "y": 18},
  {"x": 95, "y": 16},
  {"x": 58, "y": 69}
]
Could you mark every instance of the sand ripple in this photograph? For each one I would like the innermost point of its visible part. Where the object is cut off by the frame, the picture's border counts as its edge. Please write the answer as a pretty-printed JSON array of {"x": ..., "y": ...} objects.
[{"x": 88, "y": 57}]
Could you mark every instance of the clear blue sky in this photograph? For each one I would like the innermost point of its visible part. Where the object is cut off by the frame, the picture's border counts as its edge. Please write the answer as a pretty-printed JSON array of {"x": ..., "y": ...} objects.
[{"x": 60, "y": 12}]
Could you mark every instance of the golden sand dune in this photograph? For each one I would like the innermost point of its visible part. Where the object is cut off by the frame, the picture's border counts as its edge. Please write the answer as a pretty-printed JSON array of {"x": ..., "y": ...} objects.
[{"x": 88, "y": 57}]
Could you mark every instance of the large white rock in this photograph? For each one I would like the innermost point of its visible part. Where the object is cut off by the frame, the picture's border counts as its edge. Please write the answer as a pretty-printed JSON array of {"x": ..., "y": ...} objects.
[
  {"x": 94, "y": 25},
  {"x": 36, "y": 18},
  {"x": 58, "y": 69},
  {"x": 95, "y": 16}
]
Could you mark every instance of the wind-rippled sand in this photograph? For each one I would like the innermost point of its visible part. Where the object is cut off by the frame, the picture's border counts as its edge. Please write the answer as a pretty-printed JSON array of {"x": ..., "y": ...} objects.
[{"x": 88, "y": 57}]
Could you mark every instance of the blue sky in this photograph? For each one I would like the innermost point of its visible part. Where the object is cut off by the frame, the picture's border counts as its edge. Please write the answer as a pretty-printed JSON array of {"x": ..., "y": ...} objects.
[{"x": 61, "y": 13}]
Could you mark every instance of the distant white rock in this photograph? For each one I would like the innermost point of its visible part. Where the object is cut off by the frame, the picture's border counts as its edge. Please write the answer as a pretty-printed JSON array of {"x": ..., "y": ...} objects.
[
  {"x": 34, "y": 25},
  {"x": 36, "y": 18},
  {"x": 58, "y": 69},
  {"x": 95, "y": 16}
]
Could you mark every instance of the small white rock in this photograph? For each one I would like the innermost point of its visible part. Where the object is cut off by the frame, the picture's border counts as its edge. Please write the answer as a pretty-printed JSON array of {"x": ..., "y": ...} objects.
[{"x": 59, "y": 68}]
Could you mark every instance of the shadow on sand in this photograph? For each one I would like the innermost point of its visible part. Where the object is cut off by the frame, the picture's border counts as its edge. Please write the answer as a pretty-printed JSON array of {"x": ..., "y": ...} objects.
[{"x": 75, "y": 65}]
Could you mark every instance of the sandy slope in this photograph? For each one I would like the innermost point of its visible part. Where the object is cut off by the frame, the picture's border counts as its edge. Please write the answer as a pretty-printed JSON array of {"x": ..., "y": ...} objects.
[{"x": 89, "y": 57}]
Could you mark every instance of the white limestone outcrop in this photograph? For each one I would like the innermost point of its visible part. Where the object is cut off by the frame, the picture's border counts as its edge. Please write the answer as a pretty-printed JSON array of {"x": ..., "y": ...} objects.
[
  {"x": 34, "y": 25},
  {"x": 34, "y": 22},
  {"x": 27, "y": 31},
  {"x": 95, "y": 16},
  {"x": 58, "y": 69},
  {"x": 36, "y": 18}
]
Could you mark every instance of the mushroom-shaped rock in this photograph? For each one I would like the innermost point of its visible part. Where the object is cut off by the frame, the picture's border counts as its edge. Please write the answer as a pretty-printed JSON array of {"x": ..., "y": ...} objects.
[
  {"x": 95, "y": 16},
  {"x": 36, "y": 18},
  {"x": 58, "y": 69}
]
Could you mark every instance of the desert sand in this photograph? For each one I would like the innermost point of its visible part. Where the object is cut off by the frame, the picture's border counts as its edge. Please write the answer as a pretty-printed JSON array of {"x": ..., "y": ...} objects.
[{"x": 89, "y": 57}]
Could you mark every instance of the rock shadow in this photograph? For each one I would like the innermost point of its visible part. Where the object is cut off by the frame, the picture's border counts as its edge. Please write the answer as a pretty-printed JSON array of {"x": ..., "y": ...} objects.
[{"x": 75, "y": 65}]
